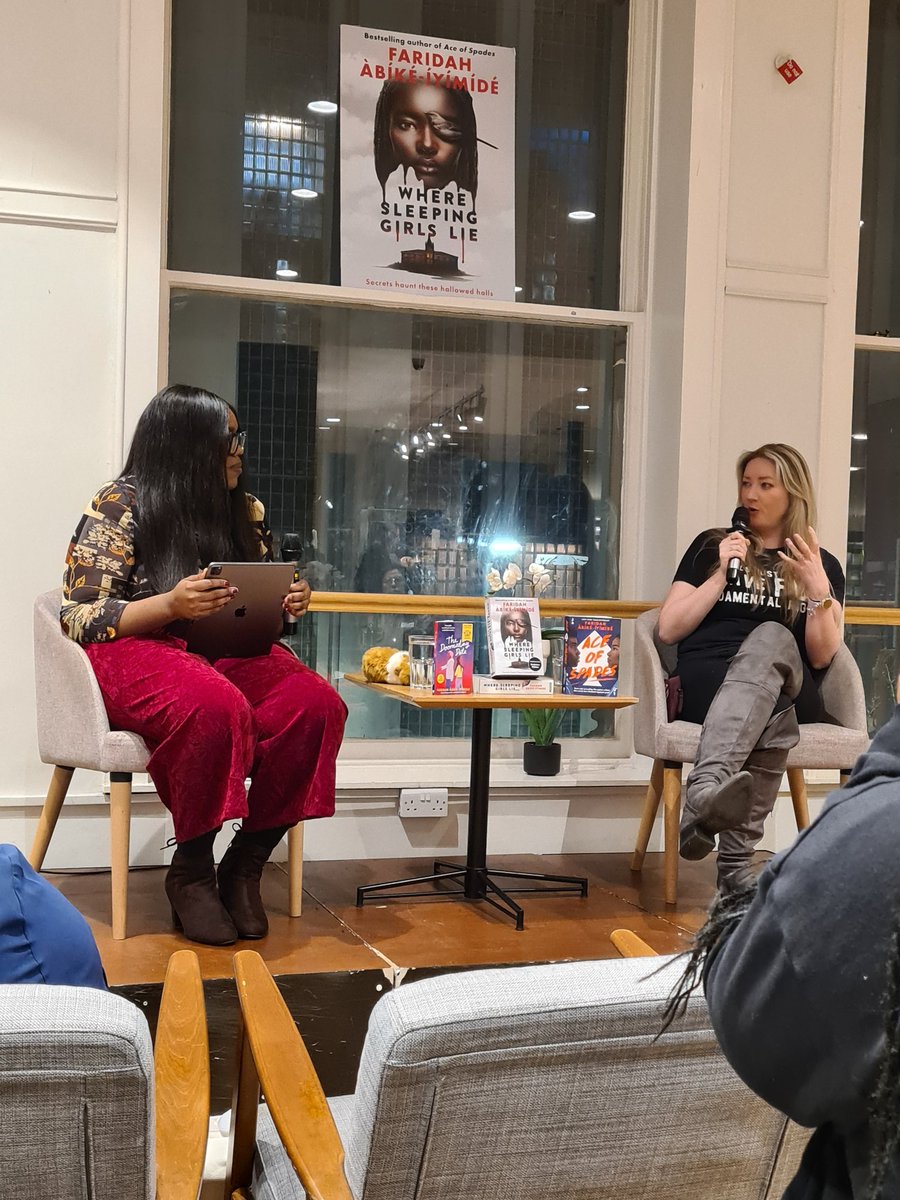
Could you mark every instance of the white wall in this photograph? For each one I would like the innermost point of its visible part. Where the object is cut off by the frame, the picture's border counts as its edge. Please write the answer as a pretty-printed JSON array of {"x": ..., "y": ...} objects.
[
  {"x": 59, "y": 93},
  {"x": 749, "y": 337}
]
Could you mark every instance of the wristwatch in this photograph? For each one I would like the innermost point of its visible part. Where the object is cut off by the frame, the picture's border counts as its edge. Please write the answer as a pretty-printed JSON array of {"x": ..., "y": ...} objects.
[{"x": 812, "y": 605}]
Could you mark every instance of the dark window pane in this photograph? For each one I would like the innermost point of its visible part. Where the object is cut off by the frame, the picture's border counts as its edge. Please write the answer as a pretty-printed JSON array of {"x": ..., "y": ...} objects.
[
  {"x": 878, "y": 299},
  {"x": 409, "y": 454},
  {"x": 243, "y": 141}
]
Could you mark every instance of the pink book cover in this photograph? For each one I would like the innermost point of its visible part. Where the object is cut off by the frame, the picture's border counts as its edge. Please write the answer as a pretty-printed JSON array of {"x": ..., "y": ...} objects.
[{"x": 454, "y": 657}]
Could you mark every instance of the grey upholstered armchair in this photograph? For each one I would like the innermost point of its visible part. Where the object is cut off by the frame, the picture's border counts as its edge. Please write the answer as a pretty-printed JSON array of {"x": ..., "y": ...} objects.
[
  {"x": 87, "y": 1112},
  {"x": 672, "y": 743},
  {"x": 73, "y": 731},
  {"x": 519, "y": 1083}
]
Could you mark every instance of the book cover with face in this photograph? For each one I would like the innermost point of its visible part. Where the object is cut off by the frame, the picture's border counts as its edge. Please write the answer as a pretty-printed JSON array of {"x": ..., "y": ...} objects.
[{"x": 427, "y": 137}]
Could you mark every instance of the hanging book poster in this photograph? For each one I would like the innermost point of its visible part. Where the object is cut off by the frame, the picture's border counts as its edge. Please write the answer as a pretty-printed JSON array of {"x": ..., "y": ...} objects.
[
  {"x": 427, "y": 147},
  {"x": 591, "y": 664}
]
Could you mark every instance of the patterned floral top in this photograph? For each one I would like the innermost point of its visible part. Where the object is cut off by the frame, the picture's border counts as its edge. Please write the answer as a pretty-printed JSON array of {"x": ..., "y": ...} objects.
[{"x": 103, "y": 564}]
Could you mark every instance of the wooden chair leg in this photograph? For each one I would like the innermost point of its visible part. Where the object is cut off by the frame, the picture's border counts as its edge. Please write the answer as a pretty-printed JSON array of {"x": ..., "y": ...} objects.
[
  {"x": 295, "y": 869},
  {"x": 119, "y": 839},
  {"x": 648, "y": 816},
  {"x": 56, "y": 793},
  {"x": 671, "y": 798},
  {"x": 797, "y": 784}
]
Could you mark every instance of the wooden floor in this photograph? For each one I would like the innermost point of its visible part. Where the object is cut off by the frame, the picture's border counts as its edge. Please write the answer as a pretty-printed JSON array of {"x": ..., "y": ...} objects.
[
  {"x": 335, "y": 962},
  {"x": 393, "y": 936}
]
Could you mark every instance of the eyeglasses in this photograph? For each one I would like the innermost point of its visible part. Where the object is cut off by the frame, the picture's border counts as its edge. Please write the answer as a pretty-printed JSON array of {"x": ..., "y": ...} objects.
[{"x": 237, "y": 441}]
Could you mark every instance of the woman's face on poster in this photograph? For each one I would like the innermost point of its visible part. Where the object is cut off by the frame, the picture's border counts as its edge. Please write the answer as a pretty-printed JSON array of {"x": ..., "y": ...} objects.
[{"x": 425, "y": 133}]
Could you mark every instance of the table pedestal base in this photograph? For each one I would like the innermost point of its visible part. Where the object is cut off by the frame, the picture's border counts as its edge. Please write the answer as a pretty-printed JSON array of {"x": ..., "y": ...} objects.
[{"x": 476, "y": 883}]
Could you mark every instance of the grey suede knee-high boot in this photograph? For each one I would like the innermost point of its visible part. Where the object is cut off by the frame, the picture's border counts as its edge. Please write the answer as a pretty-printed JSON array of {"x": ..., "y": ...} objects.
[
  {"x": 766, "y": 766},
  {"x": 719, "y": 792}
]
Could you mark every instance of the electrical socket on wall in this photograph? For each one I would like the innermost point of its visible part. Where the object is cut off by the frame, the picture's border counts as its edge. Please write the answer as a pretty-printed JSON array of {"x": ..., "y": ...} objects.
[{"x": 423, "y": 802}]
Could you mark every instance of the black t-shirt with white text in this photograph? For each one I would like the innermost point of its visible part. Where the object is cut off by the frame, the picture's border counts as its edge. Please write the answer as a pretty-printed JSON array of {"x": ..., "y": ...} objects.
[{"x": 739, "y": 610}]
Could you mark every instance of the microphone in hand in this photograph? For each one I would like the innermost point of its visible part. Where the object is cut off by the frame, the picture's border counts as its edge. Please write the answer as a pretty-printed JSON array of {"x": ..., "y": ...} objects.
[
  {"x": 740, "y": 523},
  {"x": 291, "y": 551}
]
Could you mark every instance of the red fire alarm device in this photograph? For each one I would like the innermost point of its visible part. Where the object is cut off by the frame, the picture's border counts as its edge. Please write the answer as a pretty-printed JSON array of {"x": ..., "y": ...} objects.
[{"x": 788, "y": 70}]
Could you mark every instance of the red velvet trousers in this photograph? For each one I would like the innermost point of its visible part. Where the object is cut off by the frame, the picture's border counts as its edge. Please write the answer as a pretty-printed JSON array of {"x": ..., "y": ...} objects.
[{"x": 210, "y": 725}]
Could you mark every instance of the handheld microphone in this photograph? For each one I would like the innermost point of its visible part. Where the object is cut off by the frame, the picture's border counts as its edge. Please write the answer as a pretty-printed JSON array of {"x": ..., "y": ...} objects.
[
  {"x": 291, "y": 551},
  {"x": 740, "y": 523}
]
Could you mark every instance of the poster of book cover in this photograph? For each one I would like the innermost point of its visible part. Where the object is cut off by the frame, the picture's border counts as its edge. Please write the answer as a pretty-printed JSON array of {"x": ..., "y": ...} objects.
[
  {"x": 454, "y": 657},
  {"x": 591, "y": 663},
  {"x": 427, "y": 139},
  {"x": 514, "y": 637}
]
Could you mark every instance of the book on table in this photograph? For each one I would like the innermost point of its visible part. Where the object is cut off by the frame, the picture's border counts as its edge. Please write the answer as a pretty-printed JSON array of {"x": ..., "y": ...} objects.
[
  {"x": 454, "y": 657},
  {"x": 514, "y": 637},
  {"x": 591, "y": 656}
]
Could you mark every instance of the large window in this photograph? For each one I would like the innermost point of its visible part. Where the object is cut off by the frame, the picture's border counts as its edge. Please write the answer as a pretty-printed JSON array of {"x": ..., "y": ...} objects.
[
  {"x": 399, "y": 453},
  {"x": 399, "y": 448},
  {"x": 873, "y": 551},
  {"x": 253, "y": 170}
]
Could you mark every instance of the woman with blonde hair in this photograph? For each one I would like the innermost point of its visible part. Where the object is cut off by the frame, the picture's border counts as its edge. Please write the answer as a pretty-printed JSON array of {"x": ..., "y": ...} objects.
[{"x": 751, "y": 654}]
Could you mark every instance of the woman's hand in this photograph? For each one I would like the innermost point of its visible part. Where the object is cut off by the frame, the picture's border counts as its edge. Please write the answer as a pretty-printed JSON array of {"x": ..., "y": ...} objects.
[
  {"x": 804, "y": 560},
  {"x": 732, "y": 545},
  {"x": 196, "y": 597},
  {"x": 296, "y": 602}
]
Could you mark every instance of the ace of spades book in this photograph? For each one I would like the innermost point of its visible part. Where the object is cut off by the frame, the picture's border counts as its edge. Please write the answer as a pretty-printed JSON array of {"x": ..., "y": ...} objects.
[{"x": 591, "y": 656}]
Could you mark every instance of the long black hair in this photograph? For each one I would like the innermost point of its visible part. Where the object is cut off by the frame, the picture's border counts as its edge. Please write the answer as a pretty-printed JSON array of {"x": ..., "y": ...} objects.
[
  {"x": 386, "y": 161},
  {"x": 186, "y": 517}
]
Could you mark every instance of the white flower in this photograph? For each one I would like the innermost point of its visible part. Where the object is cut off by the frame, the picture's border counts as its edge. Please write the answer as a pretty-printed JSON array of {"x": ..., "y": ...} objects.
[
  {"x": 540, "y": 583},
  {"x": 534, "y": 569},
  {"x": 494, "y": 582},
  {"x": 511, "y": 576}
]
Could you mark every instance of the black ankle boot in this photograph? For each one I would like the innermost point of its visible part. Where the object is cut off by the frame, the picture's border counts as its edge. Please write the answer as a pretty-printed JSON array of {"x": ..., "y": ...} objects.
[
  {"x": 191, "y": 888},
  {"x": 240, "y": 872}
]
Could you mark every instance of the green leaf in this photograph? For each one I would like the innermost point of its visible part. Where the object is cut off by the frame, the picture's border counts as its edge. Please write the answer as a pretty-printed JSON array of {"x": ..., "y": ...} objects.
[{"x": 543, "y": 724}]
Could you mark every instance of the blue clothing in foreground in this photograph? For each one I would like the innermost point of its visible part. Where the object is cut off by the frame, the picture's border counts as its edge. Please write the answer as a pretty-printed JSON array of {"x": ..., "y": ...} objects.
[{"x": 43, "y": 938}]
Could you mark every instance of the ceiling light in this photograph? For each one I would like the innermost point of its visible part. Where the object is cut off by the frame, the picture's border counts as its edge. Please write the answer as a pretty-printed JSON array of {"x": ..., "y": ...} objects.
[
  {"x": 325, "y": 427},
  {"x": 582, "y": 407},
  {"x": 582, "y": 389},
  {"x": 333, "y": 420},
  {"x": 518, "y": 287},
  {"x": 404, "y": 449},
  {"x": 582, "y": 214},
  {"x": 406, "y": 456},
  {"x": 328, "y": 504},
  {"x": 453, "y": 443},
  {"x": 478, "y": 419},
  {"x": 445, "y": 435},
  {"x": 856, "y": 468},
  {"x": 303, "y": 193},
  {"x": 437, "y": 425},
  {"x": 463, "y": 429},
  {"x": 860, "y": 437},
  {"x": 322, "y": 106},
  {"x": 415, "y": 440},
  {"x": 284, "y": 270}
]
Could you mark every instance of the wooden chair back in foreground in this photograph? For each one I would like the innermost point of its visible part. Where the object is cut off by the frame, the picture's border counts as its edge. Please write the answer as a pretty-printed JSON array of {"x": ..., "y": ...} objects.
[
  {"x": 78, "y": 1084},
  {"x": 519, "y": 1082},
  {"x": 73, "y": 731},
  {"x": 825, "y": 746},
  {"x": 629, "y": 945}
]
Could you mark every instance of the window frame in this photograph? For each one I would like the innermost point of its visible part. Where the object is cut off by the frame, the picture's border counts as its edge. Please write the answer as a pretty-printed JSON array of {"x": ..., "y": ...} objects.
[{"x": 146, "y": 286}]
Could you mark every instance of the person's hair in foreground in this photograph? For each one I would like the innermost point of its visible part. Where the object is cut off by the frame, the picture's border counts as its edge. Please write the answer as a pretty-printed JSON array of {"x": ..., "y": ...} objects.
[
  {"x": 177, "y": 458},
  {"x": 462, "y": 133}
]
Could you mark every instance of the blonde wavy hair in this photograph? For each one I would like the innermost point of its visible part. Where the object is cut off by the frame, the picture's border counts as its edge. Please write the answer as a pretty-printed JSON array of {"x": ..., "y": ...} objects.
[{"x": 792, "y": 472}]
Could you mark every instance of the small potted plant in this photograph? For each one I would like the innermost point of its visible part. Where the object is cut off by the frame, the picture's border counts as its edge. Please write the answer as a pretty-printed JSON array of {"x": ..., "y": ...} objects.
[{"x": 542, "y": 754}]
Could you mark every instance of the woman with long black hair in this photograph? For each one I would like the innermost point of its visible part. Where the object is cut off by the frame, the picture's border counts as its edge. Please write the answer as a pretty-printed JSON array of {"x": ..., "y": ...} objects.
[{"x": 134, "y": 576}]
